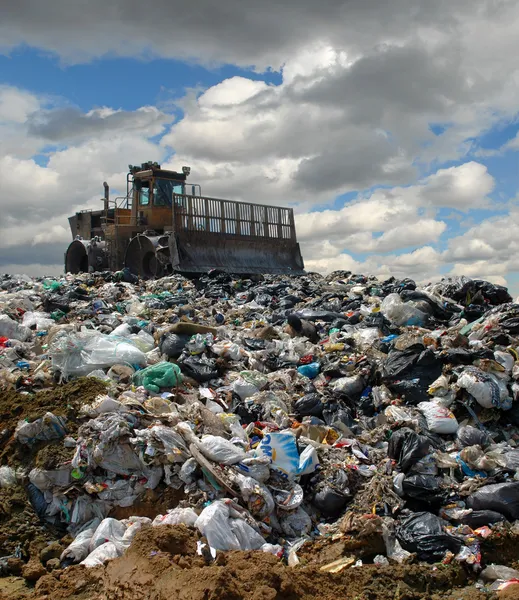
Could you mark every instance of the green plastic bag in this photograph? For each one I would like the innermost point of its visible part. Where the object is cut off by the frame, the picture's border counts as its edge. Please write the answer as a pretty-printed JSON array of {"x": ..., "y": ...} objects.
[
  {"x": 48, "y": 284},
  {"x": 161, "y": 375}
]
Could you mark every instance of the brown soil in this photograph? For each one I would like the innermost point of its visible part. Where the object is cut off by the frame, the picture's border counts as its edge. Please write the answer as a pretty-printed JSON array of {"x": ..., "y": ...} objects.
[
  {"x": 501, "y": 547},
  {"x": 153, "y": 502},
  {"x": 53, "y": 455},
  {"x": 19, "y": 524},
  {"x": 509, "y": 593},
  {"x": 63, "y": 400},
  {"x": 162, "y": 564}
]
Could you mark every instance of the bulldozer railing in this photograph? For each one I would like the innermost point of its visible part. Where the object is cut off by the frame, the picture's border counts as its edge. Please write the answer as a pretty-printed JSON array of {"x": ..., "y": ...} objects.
[{"x": 228, "y": 217}]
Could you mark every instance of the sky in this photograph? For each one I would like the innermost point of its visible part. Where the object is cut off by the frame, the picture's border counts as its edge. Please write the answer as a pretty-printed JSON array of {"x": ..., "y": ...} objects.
[{"x": 391, "y": 128}]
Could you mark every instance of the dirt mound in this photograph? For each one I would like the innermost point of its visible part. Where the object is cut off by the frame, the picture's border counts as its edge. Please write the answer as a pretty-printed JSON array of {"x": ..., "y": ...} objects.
[
  {"x": 163, "y": 564},
  {"x": 62, "y": 400},
  {"x": 175, "y": 540}
]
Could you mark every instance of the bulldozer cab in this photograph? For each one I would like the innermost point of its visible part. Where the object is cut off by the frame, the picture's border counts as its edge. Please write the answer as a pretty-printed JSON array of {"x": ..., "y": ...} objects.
[{"x": 155, "y": 192}]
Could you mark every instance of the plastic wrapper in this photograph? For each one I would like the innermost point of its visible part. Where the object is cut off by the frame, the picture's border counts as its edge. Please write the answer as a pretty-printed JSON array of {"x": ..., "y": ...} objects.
[
  {"x": 493, "y": 572},
  {"x": 281, "y": 448}
]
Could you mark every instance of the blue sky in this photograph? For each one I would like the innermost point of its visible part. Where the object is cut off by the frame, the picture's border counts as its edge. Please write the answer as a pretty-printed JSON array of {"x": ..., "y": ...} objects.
[{"x": 399, "y": 152}]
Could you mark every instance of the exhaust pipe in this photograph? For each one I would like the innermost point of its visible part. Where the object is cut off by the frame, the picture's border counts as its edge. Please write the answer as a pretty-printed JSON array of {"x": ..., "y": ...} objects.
[{"x": 107, "y": 196}]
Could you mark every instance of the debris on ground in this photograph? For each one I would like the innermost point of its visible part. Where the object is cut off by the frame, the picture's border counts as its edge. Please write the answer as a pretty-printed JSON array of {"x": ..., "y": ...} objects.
[{"x": 264, "y": 437}]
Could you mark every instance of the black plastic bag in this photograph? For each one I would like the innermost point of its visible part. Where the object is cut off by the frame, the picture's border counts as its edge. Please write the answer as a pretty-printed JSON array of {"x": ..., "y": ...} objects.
[
  {"x": 172, "y": 344},
  {"x": 309, "y": 405},
  {"x": 400, "y": 362},
  {"x": 336, "y": 413},
  {"x": 499, "y": 497},
  {"x": 200, "y": 369},
  {"x": 37, "y": 500},
  {"x": 247, "y": 411},
  {"x": 423, "y": 533},
  {"x": 54, "y": 302},
  {"x": 425, "y": 488},
  {"x": 318, "y": 315},
  {"x": 478, "y": 518},
  {"x": 333, "y": 494},
  {"x": 471, "y": 436},
  {"x": 255, "y": 343},
  {"x": 407, "y": 447}
]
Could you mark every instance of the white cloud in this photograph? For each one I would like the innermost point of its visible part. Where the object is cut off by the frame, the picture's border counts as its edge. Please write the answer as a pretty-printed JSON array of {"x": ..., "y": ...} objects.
[{"x": 353, "y": 112}]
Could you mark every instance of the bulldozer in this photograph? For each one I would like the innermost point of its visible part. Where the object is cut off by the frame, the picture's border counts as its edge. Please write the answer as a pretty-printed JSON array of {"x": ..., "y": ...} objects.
[{"x": 164, "y": 225}]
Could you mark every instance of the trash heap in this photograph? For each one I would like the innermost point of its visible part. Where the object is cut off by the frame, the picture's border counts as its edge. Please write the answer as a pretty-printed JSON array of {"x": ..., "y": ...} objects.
[{"x": 279, "y": 412}]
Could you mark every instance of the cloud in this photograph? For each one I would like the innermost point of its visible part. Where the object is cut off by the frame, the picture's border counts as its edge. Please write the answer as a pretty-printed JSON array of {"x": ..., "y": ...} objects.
[
  {"x": 69, "y": 124},
  {"x": 226, "y": 32},
  {"x": 353, "y": 112}
]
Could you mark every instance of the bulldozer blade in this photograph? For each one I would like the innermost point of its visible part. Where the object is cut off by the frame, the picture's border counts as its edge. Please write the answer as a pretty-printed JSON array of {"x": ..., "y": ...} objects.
[{"x": 199, "y": 252}]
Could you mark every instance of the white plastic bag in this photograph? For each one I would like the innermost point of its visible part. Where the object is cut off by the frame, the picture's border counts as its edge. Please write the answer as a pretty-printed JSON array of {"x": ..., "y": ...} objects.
[
  {"x": 400, "y": 312},
  {"x": 248, "y": 538},
  {"x": 220, "y": 450},
  {"x": 102, "y": 554},
  {"x": 79, "y": 354},
  {"x": 78, "y": 550},
  {"x": 296, "y": 524},
  {"x": 42, "y": 320},
  {"x": 7, "y": 476},
  {"x": 439, "y": 418},
  {"x": 177, "y": 516},
  {"x": 49, "y": 427},
  {"x": 488, "y": 390},
  {"x": 214, "y": 524},
  {"x": 244, "y": 389},
  {"x": 13, "y": 330},
  {"x": 109, "y": 530},
  {"x": 47, "y": 480}
]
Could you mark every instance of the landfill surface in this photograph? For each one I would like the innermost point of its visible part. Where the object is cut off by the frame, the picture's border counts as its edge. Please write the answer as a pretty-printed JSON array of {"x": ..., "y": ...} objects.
[{"x": 263, "y": 438}]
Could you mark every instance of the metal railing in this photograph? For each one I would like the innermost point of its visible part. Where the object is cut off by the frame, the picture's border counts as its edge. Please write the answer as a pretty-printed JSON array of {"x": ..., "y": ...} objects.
[{"x": 227, "y": 217}]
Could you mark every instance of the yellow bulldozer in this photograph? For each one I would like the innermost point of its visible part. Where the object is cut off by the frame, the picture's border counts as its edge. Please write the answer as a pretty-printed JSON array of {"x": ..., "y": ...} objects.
[{"x": 165, "y": 225}]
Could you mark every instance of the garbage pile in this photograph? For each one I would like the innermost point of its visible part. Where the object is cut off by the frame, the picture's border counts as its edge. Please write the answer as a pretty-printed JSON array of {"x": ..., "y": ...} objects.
[{"x": 280, "y": 411}]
